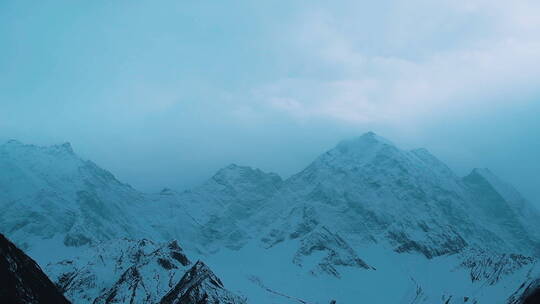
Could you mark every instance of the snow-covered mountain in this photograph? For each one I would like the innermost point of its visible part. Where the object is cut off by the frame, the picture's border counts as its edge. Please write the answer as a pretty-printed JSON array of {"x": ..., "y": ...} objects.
[
  {"x": 366, "y": 199},
  {"x": 133, "y": 271},
  {"x": 22, "y": 281},
  {"x": 49, "y": 193},
  {"x": 200, "y": 285},
  {"x": 364, "y": 215},
  {"x": 223, "y": 205},
  {"x": 371, "y": 191},
  {"x": 121, "y": 271}
]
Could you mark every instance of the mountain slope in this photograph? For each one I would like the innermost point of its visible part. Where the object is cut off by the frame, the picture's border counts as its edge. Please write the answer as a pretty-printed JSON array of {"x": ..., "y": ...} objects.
[
  {"x": 370, "y": 191},
  {"x": 49, "y": 193},
  {"x": 51, "y": 198},
  {"x": 390, "y": 207},
  {"x": 363, "y": 215},
  {"x": 22, "y": 280},
  {"x": 503, "y": 207},
  {"x": 121, "y": 271},
  {"x": 200, "y": 286},
  {"x": 221, "y": 207}
]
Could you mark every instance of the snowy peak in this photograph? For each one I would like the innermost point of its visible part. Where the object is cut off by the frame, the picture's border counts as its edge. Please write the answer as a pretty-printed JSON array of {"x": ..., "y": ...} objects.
[
  {"x": 368, "y": 138},
  {"x": 200, "y": 286},
  {"x": 22, "y": 279},
  {"x": 121, "y": 271},
  {"x": 69, "y": 200},
  {"x": 504, "y": 206},
  {"x": 483, "y": 182},
  {"x": 360, "y": 145},
  {"x": 368, "y": 189},
  {"x": 354, "y": 154},
  {"x": 239, "y": 183},
  {"x": 236, "y": 175},
  {"x": 65, "y": 147},
  {"x": 486, "y": 178},
  {"x": 12, "y": 143},
  {"x": 13, "y": 146}
]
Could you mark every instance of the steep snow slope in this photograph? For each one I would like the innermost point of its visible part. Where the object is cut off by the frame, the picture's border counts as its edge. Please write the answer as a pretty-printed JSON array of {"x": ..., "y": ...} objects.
[
  {"x": 48, "y": 193},
  {"x": 268, "y": 276},
  {"x": 221, "y": 207},
  {"x": 362, "y": 216},
  {"x": 22, "y": 281},
  {"x": 137, "y": 271},
  {"x": 200, "y": 286},
  {"x": 451, "y": 238},
  {"x": 369, "y": 191},
  {"x": 501, "y": 206},
  {"x": 50, "y": 198},
  {"x": 121, "y": 271}
]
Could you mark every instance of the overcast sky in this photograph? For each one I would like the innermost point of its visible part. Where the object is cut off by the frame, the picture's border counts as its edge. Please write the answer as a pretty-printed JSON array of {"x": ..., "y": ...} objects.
[{"x": 164, "y": 93}]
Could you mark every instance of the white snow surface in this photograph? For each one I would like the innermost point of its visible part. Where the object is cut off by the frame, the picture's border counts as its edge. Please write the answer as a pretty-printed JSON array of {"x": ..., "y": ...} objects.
[{"x": 364, "y": 222}]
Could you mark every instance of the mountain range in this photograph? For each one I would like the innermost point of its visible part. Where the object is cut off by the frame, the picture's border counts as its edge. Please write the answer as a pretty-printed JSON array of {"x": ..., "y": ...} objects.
[{"x": 364, "y": 222}]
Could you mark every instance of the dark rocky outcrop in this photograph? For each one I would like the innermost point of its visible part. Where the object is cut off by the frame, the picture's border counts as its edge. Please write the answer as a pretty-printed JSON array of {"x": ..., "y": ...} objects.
[
  {"x": 22, "y": 280},
  {"x": 528, "y": 293},
  {"x": 200, "y": 286}
]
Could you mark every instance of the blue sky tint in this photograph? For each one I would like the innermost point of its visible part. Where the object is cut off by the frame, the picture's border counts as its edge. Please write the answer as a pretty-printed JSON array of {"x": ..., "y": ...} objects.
[{"x": 164, "y": 94}]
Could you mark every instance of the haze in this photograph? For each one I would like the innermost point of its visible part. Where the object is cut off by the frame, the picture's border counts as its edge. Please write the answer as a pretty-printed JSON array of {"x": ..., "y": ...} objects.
[{"x": 165, "y": 94}]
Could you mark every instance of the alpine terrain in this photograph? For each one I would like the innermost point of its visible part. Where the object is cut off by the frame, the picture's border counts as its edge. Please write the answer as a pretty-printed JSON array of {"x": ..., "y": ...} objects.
[
  {"x": 365, "y": 222},
  {"x": 22, "y": 279}
]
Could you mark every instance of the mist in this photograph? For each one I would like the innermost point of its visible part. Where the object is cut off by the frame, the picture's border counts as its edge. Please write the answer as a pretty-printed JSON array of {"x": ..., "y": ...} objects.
[{"x": 163, "y": 96}]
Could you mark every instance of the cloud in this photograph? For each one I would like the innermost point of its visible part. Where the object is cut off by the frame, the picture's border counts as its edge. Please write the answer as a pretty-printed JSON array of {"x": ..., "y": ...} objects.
[{"x": 415, "y": 60}]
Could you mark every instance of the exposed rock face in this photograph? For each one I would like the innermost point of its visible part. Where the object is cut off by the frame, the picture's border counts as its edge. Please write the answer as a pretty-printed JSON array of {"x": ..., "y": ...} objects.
[
  {"x": 122, "y": 271},
  {"x": 52, "y": 194},
  {"x": 489, "y": 267},
  {"x": 528, "y": 293},
  {"x": 362, "y": 205},
  {"x": 532, "y": 297},
  {"x": 501, "y": 206},
  {"x": 335, "y": 250},
  {"x": 200, "y": 286},
  {"x": 22, "y": 281},
  {"x": 224, "y": 204},
  {"x": 370, "y": 191}
]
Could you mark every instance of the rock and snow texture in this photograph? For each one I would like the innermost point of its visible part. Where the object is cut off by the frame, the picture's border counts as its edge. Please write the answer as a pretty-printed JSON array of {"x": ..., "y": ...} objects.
[
  {"x": 224, "y": 204},
  {"x": 364, "y": 214},
  {"x": 49, "y": 193},
  {"x": 21, "y": 279},
  {"x": 491, "y": 268},
  {"x": 200, "y": 286},
  {"x": 137, "y": 271},
  {"x": 528, "y": 293},
  {"x": 121, "y": 271},
  {"x": 502, "y": 206},
  {"x": 370, "y": 191},
  {"x": 335, "y": 252}
]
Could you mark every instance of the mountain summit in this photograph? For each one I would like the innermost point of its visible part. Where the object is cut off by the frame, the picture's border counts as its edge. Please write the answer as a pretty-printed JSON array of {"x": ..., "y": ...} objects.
[{"x": 362, "y": 215}]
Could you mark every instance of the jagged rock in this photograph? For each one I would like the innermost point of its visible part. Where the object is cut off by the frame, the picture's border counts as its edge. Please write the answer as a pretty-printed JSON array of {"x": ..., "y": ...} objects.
[
  {"x": 51, "y": 194},
  {"x": 373, "y": 192},
  {"x": 122, "y": 271},
  {"x": 405, "y": 206},
  {"x": 336, "y": 252},
  {"x": 200, "y": 286},
  {"x": 489, "y": 267},
  {"x": 528, "y": 293},
  {"x": 22, "y": 281},
  {"x": 222, "y": 204}
]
